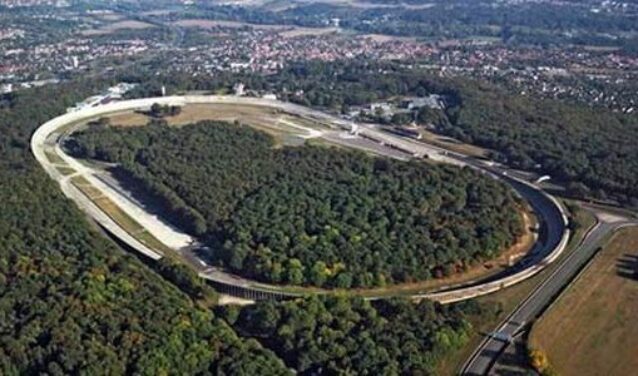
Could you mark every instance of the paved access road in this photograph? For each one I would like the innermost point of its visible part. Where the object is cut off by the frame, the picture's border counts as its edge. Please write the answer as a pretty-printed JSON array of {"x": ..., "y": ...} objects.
[{"x": 492, "y": 346}]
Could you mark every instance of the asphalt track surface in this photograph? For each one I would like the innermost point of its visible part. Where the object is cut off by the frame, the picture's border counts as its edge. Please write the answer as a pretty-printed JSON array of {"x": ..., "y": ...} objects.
[{"x": 553, "y": 234}]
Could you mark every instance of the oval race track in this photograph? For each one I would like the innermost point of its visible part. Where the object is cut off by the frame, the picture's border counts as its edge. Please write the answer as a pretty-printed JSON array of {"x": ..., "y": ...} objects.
[{"x": 553, "y": 233}]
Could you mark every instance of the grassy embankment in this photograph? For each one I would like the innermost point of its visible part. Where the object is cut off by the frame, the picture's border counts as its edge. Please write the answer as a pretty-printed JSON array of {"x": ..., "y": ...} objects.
[{"x": 125, "y": 221}]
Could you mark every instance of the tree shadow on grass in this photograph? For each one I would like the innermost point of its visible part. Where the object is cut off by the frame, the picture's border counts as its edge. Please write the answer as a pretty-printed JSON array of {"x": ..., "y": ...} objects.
[{"x": 627, "y": 266}]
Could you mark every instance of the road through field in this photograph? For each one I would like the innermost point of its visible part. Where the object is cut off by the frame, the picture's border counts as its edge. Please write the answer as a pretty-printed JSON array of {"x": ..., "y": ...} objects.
[
  {"x": 493, "y": 345},
  {"x": 590, "y": 330}
]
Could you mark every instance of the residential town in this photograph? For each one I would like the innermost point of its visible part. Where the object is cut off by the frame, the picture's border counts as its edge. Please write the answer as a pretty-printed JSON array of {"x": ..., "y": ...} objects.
[{"x": 104, "y": 40}]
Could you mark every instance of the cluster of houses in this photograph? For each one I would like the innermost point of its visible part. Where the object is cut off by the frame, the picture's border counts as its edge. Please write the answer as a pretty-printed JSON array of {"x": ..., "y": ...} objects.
[{"x": 386, "y": 110}]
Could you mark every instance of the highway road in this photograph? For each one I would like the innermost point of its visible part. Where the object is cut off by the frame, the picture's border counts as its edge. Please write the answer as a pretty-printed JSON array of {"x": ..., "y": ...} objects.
[
  {"x": 553, "y": 234},
  {"x": 482, "y": 360}
]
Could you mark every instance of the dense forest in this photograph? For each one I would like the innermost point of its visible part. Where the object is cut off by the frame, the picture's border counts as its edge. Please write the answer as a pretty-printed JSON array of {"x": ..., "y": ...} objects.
[
  {"x": 311, "y": 215},
  {"x": 338, "y": 335},
  {"x": 72, "y": 303},
  {"x": 591, "y": 150}
]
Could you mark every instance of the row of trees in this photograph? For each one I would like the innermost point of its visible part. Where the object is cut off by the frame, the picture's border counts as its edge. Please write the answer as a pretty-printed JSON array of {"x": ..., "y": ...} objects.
[
  {"x": 311, "y": 215},
  {"x": 72, "y": 303},
  {"x": 159, "y": 111},
  {"x": 339, "y": 335}
]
